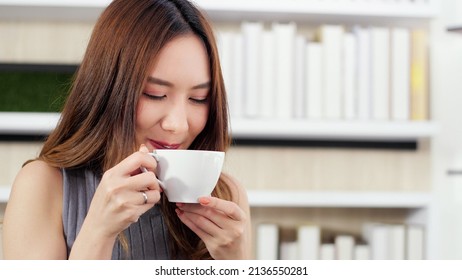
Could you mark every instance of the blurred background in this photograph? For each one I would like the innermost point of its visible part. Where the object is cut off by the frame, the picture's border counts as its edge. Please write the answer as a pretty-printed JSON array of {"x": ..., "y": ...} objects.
[{"x": 345, "y": 116}]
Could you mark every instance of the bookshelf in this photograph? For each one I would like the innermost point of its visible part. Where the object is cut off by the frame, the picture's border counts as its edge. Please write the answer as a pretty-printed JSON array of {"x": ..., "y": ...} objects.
[
  {"x": 231, "y": 10},
  {"x": 28, "y": 123},
  {"x": 417, "y": 206},
  {"x": 4, "y": 194},
  {"x": 261, "y": 198}
]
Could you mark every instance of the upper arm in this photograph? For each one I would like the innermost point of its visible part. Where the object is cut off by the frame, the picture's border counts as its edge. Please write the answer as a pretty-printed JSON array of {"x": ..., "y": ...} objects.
[{"x": 33, "y": 227}]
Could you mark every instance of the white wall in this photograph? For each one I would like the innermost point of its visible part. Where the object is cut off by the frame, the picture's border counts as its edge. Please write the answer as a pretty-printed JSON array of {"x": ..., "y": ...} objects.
[{"x": 446, "y": 65}]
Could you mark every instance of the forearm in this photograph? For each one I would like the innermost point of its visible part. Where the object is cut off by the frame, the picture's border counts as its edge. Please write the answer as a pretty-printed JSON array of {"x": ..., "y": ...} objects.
[{"x": 89, "y": 245}]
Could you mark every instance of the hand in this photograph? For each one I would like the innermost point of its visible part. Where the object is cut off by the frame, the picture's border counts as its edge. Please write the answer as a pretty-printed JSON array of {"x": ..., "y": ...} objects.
[
  {"x": 118, "y": 200},
  {"x": 221, "y": 224}
]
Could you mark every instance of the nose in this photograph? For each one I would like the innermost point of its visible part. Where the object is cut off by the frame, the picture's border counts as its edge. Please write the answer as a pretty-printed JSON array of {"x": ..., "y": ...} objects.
[{"x": 175, "y": 119}]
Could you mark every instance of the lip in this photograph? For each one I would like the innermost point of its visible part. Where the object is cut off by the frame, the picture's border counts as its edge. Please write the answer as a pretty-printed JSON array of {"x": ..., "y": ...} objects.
[{"x": 163, "y": 145}]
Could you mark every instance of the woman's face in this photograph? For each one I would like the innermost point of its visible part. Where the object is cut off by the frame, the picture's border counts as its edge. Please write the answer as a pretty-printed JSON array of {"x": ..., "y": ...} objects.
[{"x": 174, "y": 106}]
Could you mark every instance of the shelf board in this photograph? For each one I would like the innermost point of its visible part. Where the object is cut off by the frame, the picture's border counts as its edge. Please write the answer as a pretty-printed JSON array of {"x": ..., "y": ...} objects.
[
  {"x": 21, "y": 123},
  {"x": 455, "y": 28},
  {"x": 337, "y": 130},
  {"x": 265, "y": 198},
  {"x": 229, "y": 10},
  {"x": 4, "y": 193},
  {"x": 261, "y": 198},
  {"x": 18, "y": 123}
]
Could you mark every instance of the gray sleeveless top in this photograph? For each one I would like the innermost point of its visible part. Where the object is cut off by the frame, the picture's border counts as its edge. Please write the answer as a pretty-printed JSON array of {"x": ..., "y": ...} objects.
[{"x": 147, "y": 238}]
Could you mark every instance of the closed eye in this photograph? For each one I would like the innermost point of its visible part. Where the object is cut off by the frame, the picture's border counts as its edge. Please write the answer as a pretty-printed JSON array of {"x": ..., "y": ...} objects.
[
  {"x": 154, "y": 97},
  {"x": 200, "y": 100}
]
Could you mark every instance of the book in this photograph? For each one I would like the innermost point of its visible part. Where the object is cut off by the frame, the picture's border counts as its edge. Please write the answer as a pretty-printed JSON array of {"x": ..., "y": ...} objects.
[
  {"x": 380, "y": 73},
  {"x": 252, "y": 42},
  {"x": 284, "y": 64},
  {"x": 313, "y": 83},
  {"x": 331, "y": 37},
  {"x": 400, "y": 74},
  {"x": 268, "y": 76},
  {"x": 288, "y": 250},
  {"x": 361, "y": 252},
  {"x": 309, "y": 241},
  {"x": 363, "y": 72},
  {"x": 377, "y": 237},
  {"x": 327, "y": 251},
  {"x": 238, "y": 76},
  {"x": 226, "y": 50},
  {"x": 397, "y": 238},
  {"x": 419, "y": 75},
  {"x": 299, "y": 79},
  {"x": 349, "y": 76},
  {"x": 267, "y": 242},
  {"x": 344, "y": 246},
  {"x": 415, "y": 242}
]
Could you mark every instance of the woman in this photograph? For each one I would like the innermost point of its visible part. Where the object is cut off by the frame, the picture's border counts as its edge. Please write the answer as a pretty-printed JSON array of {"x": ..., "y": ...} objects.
[{"x": 150, "y": 79}]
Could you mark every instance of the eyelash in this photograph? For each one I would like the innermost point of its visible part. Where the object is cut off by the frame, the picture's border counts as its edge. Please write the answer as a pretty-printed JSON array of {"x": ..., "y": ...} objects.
[
  {"x": 154, "y": 97},
  {"x": 158, "y": 98},
  {"x": 200, "y": 101}
]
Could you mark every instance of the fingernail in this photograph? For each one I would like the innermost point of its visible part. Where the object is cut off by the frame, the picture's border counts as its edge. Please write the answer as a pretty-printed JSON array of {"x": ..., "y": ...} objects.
[
  {"x": 179, "y": 204},
  {"x": 143, "y": 148},
  {"x": 204, "y": 200}
]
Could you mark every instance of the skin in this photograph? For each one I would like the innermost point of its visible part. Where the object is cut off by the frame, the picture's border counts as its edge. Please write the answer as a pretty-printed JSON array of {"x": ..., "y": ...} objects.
[{"x": 172, "y": 111}]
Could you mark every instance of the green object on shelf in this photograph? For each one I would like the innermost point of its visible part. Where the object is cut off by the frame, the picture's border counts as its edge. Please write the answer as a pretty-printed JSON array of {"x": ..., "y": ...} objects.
[{"x": 33, "y": 91}]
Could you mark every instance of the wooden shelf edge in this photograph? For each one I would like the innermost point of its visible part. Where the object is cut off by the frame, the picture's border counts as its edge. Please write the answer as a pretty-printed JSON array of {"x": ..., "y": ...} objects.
[{"x": 331, "y": 199}]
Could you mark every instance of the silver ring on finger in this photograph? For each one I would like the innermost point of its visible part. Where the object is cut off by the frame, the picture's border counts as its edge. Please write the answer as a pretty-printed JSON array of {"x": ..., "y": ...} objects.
[{"x": 145, "y": 197}]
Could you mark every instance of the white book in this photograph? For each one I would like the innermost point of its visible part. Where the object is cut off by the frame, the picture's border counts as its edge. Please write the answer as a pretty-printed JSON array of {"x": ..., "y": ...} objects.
[
  {"x": 288, "y": 250},
  {"x": 238, "y": 76},
  {"x": 284, "y": 53},
  {"x": 225, "y": 48},
  {"x": 415, "y": 242},
  {"x": 377, "y": 237},
  {"x": 309, "y": 241},
  {"x": 314, "y": 78},
  {"x": 349, "y": 76},
  {"x": 267, "y": 242},
  {"x": 363, "y": 72},
  {"x": 380, "y": 72},
  {"x": 268, "y": 76},
  {"x": 299, "y": 98},
  {"x": 400, "y": 74},
  {"x": 251, "y": 35},
  {"x": 397, "y": 235},
  {"x": 362, "y": 252},
  {"x": 344, "y": 245},
  {"x": 331, "y": 37},
  {"x": 327, "y": 252}
]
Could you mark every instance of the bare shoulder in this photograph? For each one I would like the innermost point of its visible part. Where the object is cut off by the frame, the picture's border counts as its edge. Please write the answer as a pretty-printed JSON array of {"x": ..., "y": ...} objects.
[
  {"x": 38, "y": 177},
  {"x": 33, "y": 221},
  {"x": 238, "y": 192},
  {"x": 36, "y": 188}
]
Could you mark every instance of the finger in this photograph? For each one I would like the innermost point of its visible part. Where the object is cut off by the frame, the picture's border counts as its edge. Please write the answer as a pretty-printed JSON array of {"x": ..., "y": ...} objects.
[
  {"x": 144, "y": 181},
  {"x": 204, "y": 223},
  {"x": 206, "y": 237},
  {"x": 131, "y": 164},
  {"x": 230, "y": 208},
  {"x": 151, "y": 197},
  {"x": 218, "y": 217}
]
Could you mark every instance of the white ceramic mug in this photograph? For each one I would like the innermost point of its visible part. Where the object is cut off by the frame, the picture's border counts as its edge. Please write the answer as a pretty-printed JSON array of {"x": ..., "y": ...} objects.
[{"x": 186, "y": 175}]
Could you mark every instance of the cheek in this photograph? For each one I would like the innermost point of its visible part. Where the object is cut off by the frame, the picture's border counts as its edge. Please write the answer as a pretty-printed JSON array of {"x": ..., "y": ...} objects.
[
  {"x": 198, "y": 121},
  {"x": 145, "y": 117}
]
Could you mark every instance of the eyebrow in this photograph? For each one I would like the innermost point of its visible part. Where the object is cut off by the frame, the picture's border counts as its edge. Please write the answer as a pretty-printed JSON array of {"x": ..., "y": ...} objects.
[{"x": 157, "y": 81}]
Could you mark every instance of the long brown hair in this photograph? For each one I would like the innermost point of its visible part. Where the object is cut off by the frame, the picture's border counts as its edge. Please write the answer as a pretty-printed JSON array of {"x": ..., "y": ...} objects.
[{"x": 97, "y": 125}]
